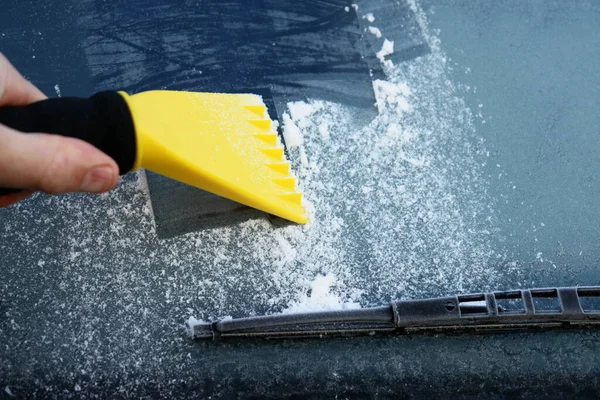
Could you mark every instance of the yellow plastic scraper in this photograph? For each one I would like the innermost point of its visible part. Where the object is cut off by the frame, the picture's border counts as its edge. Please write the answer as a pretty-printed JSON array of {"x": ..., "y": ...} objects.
[{"x": 222, "y": 143}]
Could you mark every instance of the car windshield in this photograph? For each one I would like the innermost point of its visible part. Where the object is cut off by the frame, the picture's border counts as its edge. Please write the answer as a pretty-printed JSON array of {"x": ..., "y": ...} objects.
[{"x": 441, "y": 147}]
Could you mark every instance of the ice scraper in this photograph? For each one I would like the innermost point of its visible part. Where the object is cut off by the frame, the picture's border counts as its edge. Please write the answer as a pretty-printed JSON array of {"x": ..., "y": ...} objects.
[{"x": 222, "y": 143}]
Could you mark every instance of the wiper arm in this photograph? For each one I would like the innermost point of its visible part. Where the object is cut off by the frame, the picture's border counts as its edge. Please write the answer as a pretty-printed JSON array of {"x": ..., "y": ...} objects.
[{"x": 532, "y": 309}]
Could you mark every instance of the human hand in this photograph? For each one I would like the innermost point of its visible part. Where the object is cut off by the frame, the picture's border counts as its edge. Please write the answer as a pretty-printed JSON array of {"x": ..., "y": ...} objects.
[{"x": 41, "y": 162}]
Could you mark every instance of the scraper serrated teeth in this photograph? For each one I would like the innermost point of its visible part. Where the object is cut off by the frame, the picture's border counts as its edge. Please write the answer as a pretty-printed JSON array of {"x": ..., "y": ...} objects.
[
  {"x": 288, "y": 183},
  {"x": 262, "y": 124},
  {"x": 281, "y": 167},
  {"x": 268, "y": 138},
  {"x": 294, "y": 197},
  {"x": 258, "y": 110},
  {"x": 275, "y": 153}
]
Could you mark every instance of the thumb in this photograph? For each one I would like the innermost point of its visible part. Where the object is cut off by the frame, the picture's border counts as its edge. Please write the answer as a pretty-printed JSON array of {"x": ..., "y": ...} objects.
[{"x": 53, "y": 164}]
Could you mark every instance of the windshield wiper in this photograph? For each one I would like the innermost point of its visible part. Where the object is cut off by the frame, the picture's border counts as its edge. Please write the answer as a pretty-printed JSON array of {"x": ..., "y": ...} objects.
[{"x": 533, "y": 309}]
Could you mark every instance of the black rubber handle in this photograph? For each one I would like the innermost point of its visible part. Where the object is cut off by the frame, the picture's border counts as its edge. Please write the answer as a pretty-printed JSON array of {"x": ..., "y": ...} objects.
[{"x": 103, "y": 120}]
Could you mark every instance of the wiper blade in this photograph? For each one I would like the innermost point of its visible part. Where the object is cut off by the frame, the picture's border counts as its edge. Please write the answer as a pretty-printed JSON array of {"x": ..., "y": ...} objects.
[{"x": 532, "y": 309}]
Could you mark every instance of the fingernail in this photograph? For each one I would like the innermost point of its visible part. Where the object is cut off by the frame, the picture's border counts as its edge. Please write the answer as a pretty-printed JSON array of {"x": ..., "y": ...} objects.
[{"x": 98, "y": 179}]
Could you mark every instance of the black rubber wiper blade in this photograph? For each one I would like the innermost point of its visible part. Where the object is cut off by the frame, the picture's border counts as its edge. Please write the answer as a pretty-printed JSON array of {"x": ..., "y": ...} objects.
[{"x": 532, "y": 309}]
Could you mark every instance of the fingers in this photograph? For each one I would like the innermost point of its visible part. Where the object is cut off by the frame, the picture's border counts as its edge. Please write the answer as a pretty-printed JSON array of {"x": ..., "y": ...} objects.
[
  {"x": 15, "y": 90},
  {"x": 7, "y": 200},
  {"x": 50, "y": 163},
  {"x": 53, "y": 164}
]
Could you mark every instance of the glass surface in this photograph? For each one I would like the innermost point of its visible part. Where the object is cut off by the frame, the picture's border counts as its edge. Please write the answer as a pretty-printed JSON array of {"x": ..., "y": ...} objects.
[{"x": 477, "y": 170}]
